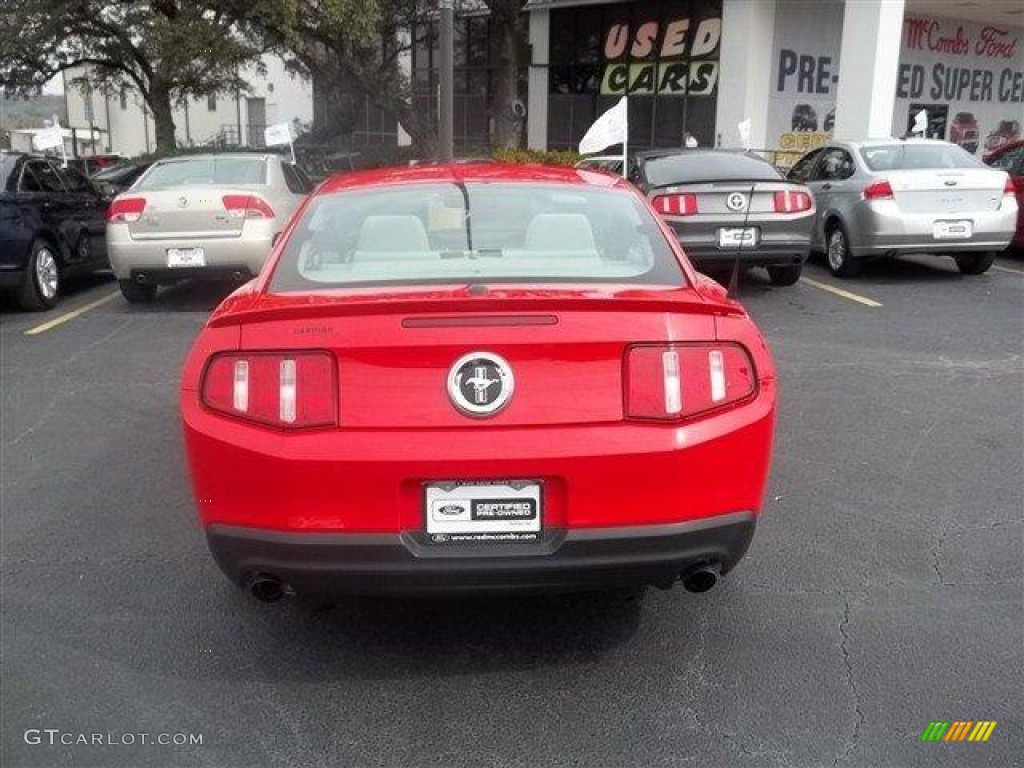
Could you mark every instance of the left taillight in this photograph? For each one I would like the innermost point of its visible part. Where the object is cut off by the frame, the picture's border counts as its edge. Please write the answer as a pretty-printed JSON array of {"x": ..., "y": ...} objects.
[
  {"x": 126, "y": 209},
  {"x": 669, "y": 382},
  {"x": 684, "y": 204},
  {"x": 1009, "y": 189},
  {"x": 289, "y": 390}
]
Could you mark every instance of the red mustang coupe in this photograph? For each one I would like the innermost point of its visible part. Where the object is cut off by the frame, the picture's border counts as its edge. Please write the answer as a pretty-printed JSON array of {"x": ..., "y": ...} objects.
[{"x": 462, "y": 378}]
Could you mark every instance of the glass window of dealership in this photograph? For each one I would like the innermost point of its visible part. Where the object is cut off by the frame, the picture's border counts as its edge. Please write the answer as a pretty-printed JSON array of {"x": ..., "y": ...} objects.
[{"x": 703, "y": 66}]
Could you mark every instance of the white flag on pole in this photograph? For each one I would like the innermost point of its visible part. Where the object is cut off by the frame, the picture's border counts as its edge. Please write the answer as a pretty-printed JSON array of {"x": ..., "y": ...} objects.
[
  {"x": 610, "y": 128},
  {"x": 48, "y": 138},
  {"x": 275, "y": 135},
  {"x": 920, "y": 122},
  {"x": 744, "y": 128}
]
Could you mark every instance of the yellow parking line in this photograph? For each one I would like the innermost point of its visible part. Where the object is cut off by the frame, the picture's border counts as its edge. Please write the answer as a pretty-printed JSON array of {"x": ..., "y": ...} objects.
[
  {"x": 71, "y": 315},
  {"x": 840, "y": 292},
  {"x": 1007, "y": 269}
]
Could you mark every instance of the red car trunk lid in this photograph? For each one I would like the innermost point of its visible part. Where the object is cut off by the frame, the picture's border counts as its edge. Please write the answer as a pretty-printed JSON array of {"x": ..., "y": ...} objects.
[{"x": 394, "y": 355}]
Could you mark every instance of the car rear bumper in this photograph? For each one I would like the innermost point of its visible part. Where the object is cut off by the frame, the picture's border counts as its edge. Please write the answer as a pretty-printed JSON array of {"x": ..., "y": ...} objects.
[
  {"x": 158, "y": 275},
  {"x": 247, "y": 252},
  {"x": 785, "y": 254},
  {"x": 405, "y": 563},
  {"x": 881, "y": 228},
  {"x": 372, "y": 480},
  {"x": 778, "y": 242}
]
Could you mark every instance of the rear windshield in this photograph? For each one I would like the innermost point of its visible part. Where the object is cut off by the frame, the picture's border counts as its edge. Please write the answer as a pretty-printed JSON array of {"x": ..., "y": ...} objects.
[
  {"x": 489, "y": 232},
  {"x": 906, "y": 156},
  {"x": 690, "y": 167},
  {"x": 113, "y": 171},
  {"x": 205, "y": 170}
]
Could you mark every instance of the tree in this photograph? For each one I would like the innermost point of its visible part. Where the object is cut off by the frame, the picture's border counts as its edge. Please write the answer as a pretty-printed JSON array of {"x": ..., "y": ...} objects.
[
  {"x": 351, "y": 43},
  {"x": 168, "y": 50},
  {"x": 359, "y": 44},
  {"x": 507, "y": 25}
]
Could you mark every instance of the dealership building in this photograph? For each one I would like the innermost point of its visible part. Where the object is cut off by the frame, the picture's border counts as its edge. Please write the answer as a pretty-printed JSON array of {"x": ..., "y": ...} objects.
[
  {"x": 799, "y": 71},
  {"x": 796, "y": 72}
]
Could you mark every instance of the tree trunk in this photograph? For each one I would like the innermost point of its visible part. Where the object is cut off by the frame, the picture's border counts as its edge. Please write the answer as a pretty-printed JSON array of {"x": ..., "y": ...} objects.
[
  {"x": 508, "y": 125},
  {"x": 423, "y": 135},
  {"x": 163, "y": 117},
  {"x": 390, "y": 91}
]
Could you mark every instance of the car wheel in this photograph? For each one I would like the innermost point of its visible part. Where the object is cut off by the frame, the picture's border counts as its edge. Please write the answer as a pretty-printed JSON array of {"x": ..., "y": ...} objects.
[
  {"x": 837, "y": 253},
  {"x": 975, "y": 263},
  {"x": 137, "y": 293},
  {"x": 785, "y": 275},
  {"x": 41, "y": 282}
]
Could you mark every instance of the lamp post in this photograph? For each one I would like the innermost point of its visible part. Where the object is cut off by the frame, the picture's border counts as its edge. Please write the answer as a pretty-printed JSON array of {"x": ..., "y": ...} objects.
[{"x": 446, "y": 133}]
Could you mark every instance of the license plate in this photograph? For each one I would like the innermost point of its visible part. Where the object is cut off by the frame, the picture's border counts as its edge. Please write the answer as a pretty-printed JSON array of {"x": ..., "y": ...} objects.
[
  {"x": 483, "y": 511},
  {"x": 737, "y": 237},
  {"x": 952, "y": 230},
  {"x": 186, "y": 257}
]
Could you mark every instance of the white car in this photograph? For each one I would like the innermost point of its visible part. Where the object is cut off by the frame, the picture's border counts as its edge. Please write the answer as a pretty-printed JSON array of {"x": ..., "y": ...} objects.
[{"x": 200, "y": 216}]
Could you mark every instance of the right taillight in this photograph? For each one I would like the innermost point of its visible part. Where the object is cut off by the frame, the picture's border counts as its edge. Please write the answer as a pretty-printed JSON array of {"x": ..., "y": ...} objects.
[
  {"x": 1009, "y": 190},
  {"x": 247, "y": 207},
  {"x": 684, "y": 204},
  {"x": 878, "y": 190},
  {"x": 669, "y": 382},
  {"x": 126, "y": 209},
  {"x": 792, "y": 201},
  {"x": 288, "y": 390}
]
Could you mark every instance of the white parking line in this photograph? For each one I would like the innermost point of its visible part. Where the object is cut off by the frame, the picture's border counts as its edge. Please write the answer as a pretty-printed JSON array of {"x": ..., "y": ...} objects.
[
  {"x": 840, "y": 292},
  {"x": 1007, "y": 269},
  {"x": 71, "y": 315}
]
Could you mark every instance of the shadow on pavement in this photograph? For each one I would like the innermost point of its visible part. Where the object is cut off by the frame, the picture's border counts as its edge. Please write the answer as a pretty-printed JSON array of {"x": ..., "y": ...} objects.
[
  {"x": 160, "y": 629},
  {"x": 71, "y": 289},
  {"x": 905, "y": 269},
  {"x": 188, "y": 296}
]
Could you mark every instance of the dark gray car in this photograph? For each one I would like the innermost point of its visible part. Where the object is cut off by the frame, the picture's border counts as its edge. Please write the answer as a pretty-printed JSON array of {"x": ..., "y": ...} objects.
[{"x": 722, "y": 203}]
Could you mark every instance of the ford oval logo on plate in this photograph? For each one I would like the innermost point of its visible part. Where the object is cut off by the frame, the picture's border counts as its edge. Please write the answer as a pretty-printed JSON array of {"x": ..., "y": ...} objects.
[{"x": 450, "y": 510}]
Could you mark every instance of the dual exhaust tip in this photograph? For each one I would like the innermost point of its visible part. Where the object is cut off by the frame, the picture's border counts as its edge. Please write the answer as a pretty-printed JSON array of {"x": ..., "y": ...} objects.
[
  {"x": 267, "y": 589},
  {"x": 700, "y": 578}
]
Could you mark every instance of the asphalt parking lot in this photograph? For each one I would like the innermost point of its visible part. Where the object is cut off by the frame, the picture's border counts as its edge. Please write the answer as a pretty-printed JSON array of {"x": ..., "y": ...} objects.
[{"x": 882, "y": 591}]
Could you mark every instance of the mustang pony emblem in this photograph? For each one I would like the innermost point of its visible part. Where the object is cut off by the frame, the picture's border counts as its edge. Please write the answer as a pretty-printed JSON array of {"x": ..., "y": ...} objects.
[{"x": 480, "y": 383}]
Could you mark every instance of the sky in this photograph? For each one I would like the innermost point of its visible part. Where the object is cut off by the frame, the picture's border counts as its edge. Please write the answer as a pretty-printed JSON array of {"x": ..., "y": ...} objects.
[{"x": 55, "y": 85}]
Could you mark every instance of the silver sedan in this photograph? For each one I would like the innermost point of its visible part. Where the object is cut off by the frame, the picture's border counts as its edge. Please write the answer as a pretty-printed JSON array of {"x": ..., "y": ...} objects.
[{"x": 890, "y": 197}]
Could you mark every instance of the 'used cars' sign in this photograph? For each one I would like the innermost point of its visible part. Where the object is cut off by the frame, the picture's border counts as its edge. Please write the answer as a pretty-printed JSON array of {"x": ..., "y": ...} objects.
[{"x": 676, "y": 57}]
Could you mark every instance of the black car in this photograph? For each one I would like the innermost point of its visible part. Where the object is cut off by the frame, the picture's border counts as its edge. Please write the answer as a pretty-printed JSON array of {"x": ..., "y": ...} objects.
[
  {"x": 116, "y": 179},
  {"x": 52, "y": 225}
]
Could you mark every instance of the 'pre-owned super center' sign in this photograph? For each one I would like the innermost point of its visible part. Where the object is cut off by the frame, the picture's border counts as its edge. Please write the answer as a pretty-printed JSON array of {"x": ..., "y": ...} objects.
[
  {"x": 676, "y": 57},
  {"x": 948, "y": 61}
]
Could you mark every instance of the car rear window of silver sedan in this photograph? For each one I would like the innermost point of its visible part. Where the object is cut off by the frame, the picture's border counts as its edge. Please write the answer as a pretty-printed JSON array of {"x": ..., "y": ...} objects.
[
  {"x": 205, "y": 170},
  {"x": 905, "y": 156},
  {"x": 475, "y": 232}
]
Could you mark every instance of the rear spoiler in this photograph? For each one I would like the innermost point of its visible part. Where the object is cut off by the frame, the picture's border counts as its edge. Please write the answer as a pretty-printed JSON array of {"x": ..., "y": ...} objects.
[{"x": 323, "y": 306}]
